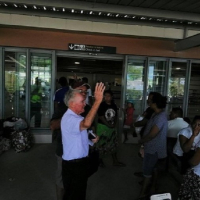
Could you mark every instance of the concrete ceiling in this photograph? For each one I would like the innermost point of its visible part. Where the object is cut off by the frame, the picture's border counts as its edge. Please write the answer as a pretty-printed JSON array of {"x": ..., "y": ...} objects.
[{"x": 161, "y": 12}]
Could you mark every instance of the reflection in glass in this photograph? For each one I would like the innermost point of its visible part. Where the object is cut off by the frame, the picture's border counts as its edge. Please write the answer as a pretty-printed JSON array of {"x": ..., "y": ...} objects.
[
  {"x": 135, "y": 84},
  {"x": 176, "y": 85},
  {"x": 156, "y": 76},
  {"x": 194, "y": 91},
  {"x": 15, "y": 78},
  {"x": 40, "y": 90}
]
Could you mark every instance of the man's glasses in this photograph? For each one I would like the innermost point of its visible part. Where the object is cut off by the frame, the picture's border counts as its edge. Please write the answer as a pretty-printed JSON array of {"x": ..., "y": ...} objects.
[{"x": 81, "y": 91}]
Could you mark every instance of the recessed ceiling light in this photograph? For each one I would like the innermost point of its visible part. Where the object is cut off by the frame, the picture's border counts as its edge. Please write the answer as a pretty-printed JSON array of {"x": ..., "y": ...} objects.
[
  {"x": 178, "y": 68},
  {"x": 63, "y": 9},
  {"x": 72, "y": 10},
  {"x": 77, "y": 63}
]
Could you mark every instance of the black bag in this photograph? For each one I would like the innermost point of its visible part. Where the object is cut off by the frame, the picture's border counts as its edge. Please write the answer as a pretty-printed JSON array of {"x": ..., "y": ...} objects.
[{"x": 93, "y": 161}]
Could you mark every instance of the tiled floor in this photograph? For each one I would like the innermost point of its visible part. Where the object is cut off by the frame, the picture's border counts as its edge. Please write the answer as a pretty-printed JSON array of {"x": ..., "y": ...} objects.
[{"x": 30, "y": 176}]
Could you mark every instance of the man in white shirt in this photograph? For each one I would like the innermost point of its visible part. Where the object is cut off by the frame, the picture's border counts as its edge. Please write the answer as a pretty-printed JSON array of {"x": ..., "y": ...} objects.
[
  {"x": 76, "y": 143},
  {"x": 175, "y": 124},
  {"x": 187, "y": 142}
]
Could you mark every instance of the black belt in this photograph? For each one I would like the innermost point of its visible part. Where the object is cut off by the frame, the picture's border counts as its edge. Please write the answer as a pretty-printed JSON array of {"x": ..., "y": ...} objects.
[{"x": 76, "y": 160}]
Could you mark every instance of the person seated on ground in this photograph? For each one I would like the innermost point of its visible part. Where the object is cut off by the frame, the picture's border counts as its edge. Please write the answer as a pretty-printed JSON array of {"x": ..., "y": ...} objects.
[
  {"x": 190, "y": 187},
  {"x": 128, "y": 122},
  {"x": 155, "y": 144},
  {"x": 175, "y": 124},
  {"x": 187, "y": 140},
  {"x": 106, "y": 129},
  {"x": 60, "y": 93}
]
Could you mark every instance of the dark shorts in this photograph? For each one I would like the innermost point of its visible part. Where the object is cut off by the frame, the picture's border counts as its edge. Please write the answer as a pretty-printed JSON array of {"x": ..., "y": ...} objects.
[{"x": 151, "y": 162}]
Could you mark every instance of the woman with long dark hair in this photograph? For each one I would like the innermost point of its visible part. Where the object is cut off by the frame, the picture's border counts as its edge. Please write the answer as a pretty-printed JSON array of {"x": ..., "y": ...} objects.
[{"x": 155, "y": 142}]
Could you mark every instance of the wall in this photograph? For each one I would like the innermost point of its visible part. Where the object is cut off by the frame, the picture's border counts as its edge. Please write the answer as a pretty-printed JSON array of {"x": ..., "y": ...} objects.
[{"x": 58, "y": 40}]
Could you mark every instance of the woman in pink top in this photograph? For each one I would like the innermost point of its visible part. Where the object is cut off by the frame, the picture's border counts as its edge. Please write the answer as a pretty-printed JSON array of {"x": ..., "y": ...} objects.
[{"x": 128, "y": 122}]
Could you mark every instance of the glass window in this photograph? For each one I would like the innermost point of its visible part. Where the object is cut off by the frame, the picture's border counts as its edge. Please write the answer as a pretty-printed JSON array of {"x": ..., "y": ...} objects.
[
  {"x": 156, "y": 77},
  {"x": 15, "y": 79},
  {"x": 41, "y": 65},
  {"x": 194, "y": 91},
  {"x": 176, "y": 84},
  {"x": 135, "y": 84}
]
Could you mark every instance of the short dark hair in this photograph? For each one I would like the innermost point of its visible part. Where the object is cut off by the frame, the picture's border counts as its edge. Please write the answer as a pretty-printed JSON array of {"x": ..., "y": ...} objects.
[
  {"x": 62, "y": 81},
  {"x": 187, "y": 119},
  {"x": 108, "y": 92},
  {"x": 159, "y": 100},
  {"x": 178, "y": 111},
  {"x": 197, "y": 117},
  {"x": 85, "y": 79}
]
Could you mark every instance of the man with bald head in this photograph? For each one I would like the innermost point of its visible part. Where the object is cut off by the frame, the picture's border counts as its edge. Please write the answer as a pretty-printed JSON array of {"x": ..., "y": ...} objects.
[{"x": 76, "y": 143}]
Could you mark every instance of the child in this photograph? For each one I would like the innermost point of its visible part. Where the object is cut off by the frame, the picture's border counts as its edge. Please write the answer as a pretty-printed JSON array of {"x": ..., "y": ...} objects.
[{"x": 128, "y": 122}]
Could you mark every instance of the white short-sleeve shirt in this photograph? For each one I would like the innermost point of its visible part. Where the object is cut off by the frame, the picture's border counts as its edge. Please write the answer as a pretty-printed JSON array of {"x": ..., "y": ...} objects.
[
  {"x": 174, "y": 126},
  {"x": 187, "y": 132}
]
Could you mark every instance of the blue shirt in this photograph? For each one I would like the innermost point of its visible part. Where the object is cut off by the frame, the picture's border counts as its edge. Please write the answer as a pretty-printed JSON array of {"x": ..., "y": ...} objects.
[
  {"x": 159, "y": 143},
  {"x": 60, "y": 94},
  {"x": 75, "y": 142}
]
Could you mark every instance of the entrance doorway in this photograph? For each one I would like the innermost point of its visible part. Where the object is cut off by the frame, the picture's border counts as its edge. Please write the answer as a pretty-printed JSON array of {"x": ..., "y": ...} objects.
[{"x": 108, "y": 71}]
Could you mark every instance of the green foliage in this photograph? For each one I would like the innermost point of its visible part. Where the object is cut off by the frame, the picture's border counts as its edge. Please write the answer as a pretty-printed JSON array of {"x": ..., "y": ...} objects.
[
  {"x": 176, "y": 87},
  {"x": 134, "y": 94},
  {"x": 135, "y": 72}
]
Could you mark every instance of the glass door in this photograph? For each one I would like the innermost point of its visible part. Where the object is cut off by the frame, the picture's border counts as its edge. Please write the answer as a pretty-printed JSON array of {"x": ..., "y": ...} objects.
[
  {"x": 40, "y": 90},
  {"x": 135, "y": 83},
  {"x": 156, "y": 76},
  {"x": 194, "y": 92},
  {"x": 176, "y": 84},
  {"x": 15, "y": 84}
]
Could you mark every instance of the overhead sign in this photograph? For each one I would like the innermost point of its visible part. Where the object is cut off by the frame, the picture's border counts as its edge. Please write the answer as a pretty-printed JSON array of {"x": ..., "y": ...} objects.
[{"x": 91, "y": 48}]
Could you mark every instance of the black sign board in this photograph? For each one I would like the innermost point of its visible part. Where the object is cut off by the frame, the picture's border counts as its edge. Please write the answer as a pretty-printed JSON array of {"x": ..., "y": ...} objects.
[{"x": 91, "y": 48}]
